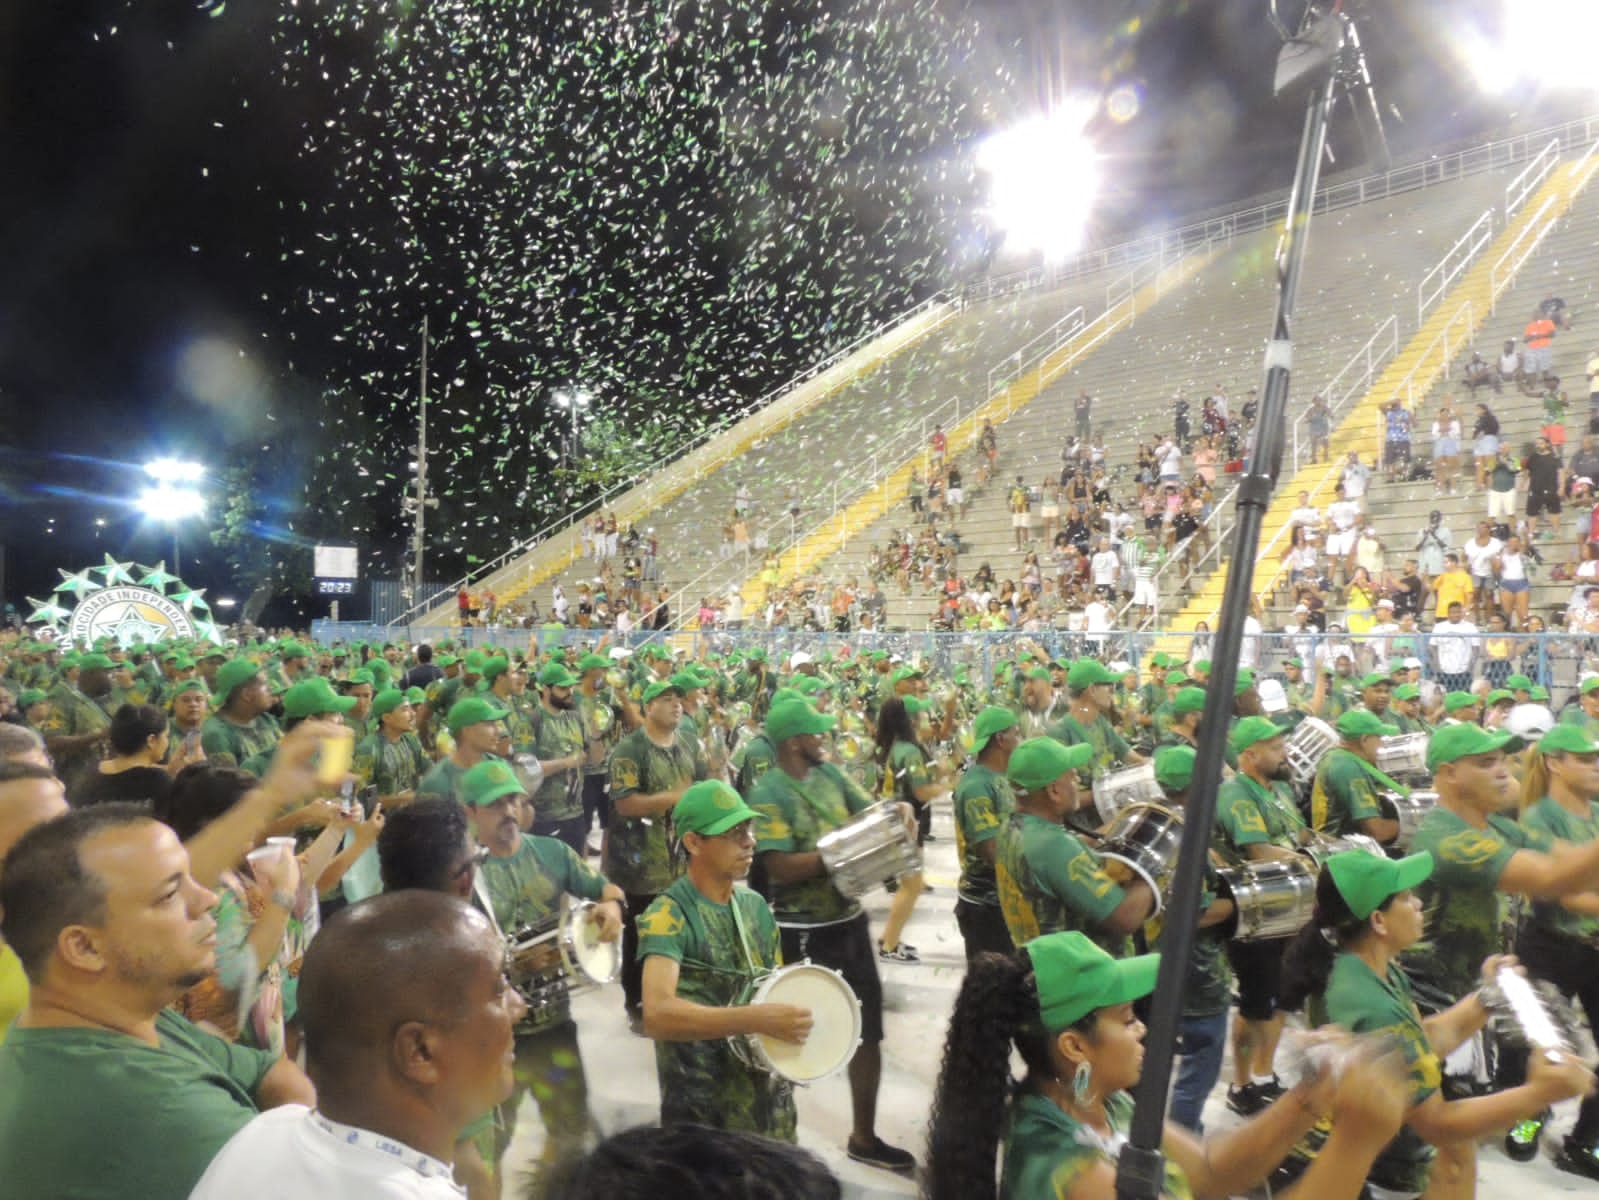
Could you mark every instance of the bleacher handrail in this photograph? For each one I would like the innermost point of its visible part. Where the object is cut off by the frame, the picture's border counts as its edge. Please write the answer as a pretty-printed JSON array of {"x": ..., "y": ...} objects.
[
  {"x": 1370, "y": 359},
  {"x": 1455, "y": 260},
  {"x": 687, "y": 446},
  {"x": 1530, "y": 178},
  {"x": 1509, "y": 263},
  {"x": 1057, "y": 335}
]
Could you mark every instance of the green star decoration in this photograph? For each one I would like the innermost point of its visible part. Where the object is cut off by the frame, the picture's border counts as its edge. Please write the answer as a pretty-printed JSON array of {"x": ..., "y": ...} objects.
[
  {"x": 190, "y": 598},
  {"x": 47, "y": 612},
  {"x": 116, "y": 572},
  {"x": 79, "y": 584},
  {"x": 158, "y": 578}
]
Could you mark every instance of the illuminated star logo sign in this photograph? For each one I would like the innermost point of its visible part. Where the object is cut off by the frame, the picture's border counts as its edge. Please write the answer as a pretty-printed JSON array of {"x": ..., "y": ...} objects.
[
  {"x": 130, "y": 628},
  {"x": 78, "y": 583},
  {"x": 157, "y": 577},
  {"x": 115, "y": 572}
]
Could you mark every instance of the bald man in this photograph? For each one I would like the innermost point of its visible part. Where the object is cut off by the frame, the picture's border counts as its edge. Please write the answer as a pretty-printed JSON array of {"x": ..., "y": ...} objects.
[
  {"x": 29, "y": 795},
  {"x": 409, "y": 1022}
]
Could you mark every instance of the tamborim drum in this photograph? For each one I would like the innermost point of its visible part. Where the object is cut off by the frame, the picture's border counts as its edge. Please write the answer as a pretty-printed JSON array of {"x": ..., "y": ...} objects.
[
  {"x": 589, "y": 962},
  {"x": 835, "y": 1024},
  {"x": 1408, "y": 811},
  {"x": 1131, "y": 785},
  {"x": 1271, "y": 899},
  {"x": 1305, "y": 747},
  {"x": 869, "y": 851},
  {"x": 1404, "y": 754},
  {"x": 1145, "y": 838}
]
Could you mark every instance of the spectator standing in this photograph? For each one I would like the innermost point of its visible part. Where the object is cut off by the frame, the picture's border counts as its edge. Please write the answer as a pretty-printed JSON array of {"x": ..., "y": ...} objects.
[
  {"x": 1454, "y": 648},
  {"x": 1355, "y": 477},
  {"x": 1182, "y": 430},
  {"x": 1538, "y": 337},
  {"x": 1485, "y": 442},
  {"x": 1502, "y": 486},
  {"x": 1544, "y": 475},
  {"x": 1434, "y": 542},
  {"x": 1206, "y": 457},
  {"x": 1170, "y": 458},
  {"x": 1445, "y": 449},
  {"x": 1020, "y": 513},
  {"x": 1510, "y": 364},
  {"x": 1318, "y": 421},
  {"x": 1105, "y": 569},
  {"x": 1480, "y": 552},
  {"x": 1397, "y": 426},
  {"x": 1083, "y": 411},
  {"x": 1584, "y": 463},
  {"x": 1514, "y": 586},
  {"x": 938, "y": 443}
]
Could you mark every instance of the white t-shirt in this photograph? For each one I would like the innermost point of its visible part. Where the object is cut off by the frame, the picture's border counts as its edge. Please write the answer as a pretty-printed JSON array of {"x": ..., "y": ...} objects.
[
  {"x": 1343, "y": 514},
  {"x": 735, "y": 608},
  {"x": 292, "y": 1151},
  {"x": 1480, "y": 557},
  {"x": 1309, "y": 517},
  {"x": 1096, "y": 617},
  {"x": 1171, "y": 461},
  {"x": 1512, "y": 566},
  {"x": 1455, "y": 642},
  {"x": 1249, "y": 644},
  {"x": 1105, "y": 564},
  {"x": 1354, "y": 480}
]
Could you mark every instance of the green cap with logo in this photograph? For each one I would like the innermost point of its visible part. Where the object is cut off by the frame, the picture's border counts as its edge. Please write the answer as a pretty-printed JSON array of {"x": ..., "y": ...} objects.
[
  {"x": 1176, "y": 678},
  {"x": 660, "y": 688},
  {"x": 686, "y": 682},
  {"x": 556, "y": 675},
  {"x": 488, "y": 781},
  {"x": 96, "y": 662},
  {"x": 1376, "y": 679},
  {"x": 990, "y": 721},
  {"x": 1251, "y": 730},
  {"x": 1366, "y": 880},
  {"x": 1500, "y": 696},
  {"x": 792, "y": 718},
  {"x": 1455, "y": 701},
  {"x": 1040, "y": 761},
  {"x": 1454, "y": 742},
  {"x": 1519, "y": 683},
  {"x": 386, "y": 702},
  {"x": 1359, "y": 723},
  {"x": 474, "y": 710},
  {"x": 1187, "y": 700},
  {"x": 1407, "y": 691},
  {"x": 708, "y": 808},
  {"x": 415, "y": 694},
  {"x": 1567, "y": 739},
  {"x": 1075, "y": 977},
  {"x": 1174, "y": 767},
  {"x": 313, "y": 697},
  {"x": 232, "y": 674},
  {"x": 593, "y": 662},
  {"x": 1087, "y": 672},
  {"x": 1245, "y": 681}
]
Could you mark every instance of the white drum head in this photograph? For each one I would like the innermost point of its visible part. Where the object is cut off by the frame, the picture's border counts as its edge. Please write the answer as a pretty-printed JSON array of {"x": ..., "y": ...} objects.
[
  {"x": 587, "y": 958},
  {"x": 835, "y": 1027}
]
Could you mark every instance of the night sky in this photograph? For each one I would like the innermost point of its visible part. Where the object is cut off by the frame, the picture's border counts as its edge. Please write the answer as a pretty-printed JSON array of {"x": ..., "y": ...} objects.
[{"x": 162, "y": 222}]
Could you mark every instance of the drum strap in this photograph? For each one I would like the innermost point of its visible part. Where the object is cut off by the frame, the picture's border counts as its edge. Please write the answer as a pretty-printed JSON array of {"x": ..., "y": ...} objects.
[
  {"x": 1381, "y": 778},
  {"x": 743, "y": 936}
]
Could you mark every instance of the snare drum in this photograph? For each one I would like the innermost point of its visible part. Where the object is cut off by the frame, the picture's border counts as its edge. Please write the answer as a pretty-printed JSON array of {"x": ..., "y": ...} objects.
[
  {"x": 581, "y": 960},
  {"x": 1145, "y": 838},
  {"x": 1305, "y": 747},
  {"x": 1404, "y": 754},
  {"x": 1131, "y": 785},
  {"x": 869, "y": 851},
  {"x": 1271, "y": 899},
  {"x": 835, "y": 1024},
  {"x": 1408, "y": 811},
  {"x": 1322, "y": 847}
]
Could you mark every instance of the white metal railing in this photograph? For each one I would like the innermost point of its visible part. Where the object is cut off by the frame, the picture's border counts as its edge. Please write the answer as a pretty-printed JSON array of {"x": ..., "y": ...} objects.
[
  {"x": 1368, "y": 361},
  {"x": 1503, "y": 272},
  {"x": 568, "y": 519},
  {"x": 1530, "y": 178},
  {"x": 1456, "y": 259},
  {"x": 1046, "y": 343}
]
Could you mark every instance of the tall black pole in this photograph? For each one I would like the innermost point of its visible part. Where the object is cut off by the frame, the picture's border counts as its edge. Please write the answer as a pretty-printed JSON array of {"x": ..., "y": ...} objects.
[{"x": 1141, "y": 1167}]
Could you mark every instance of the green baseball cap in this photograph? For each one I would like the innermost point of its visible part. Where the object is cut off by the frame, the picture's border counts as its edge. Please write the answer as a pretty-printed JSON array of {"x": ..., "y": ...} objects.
[
  {"x": 1407, "y": 691},
  {"x": 1538, "y": 693},
  {"x": 806, "y": 685},
  {"x": 1366, "y": 880},
  {"x": 1160, "y": 659},
  {"x": 990, "y": 721},
  {"x": 313, "y": 697},
  {"x": 1245, "y": 681},
  {"x": 659, "y": 688},
  {"x": 1500, "y": 696},
  {"x": 1040, "y": 761},
  {"x": 386, "y": 702},
  {"x": 30, "y": 697},
  {"x": 1075, "y": 977},
  {"x": 686, "y": 682},
  {"x": 232, "y": 674},
  {"x": 1251, "y": 730},
  {"x": 655, "y": 650},
  {"x": 415, "y": 695},
  {"x": 1176, "y": 678},
  {"x": 445, "y": 660},
  {"x": 1359, "y": 723},
  {"x": 1201, "y": 667},
  {"x": 556, "y": 675},
  {"x": 593, "y": 662},
  {"x": 915, "y": 705},
  {"x": 708, "y": 808},
  {"x": 495, "y": 666},
  {"x": 1455, "y": 701},
  {"x": 488, "y": 781},
  {"x": 1454, "y": 742},
  {"x": 1040, "y": 673},
  {"x": 1519, "y": 683},
  {"x": 1567, "y": 739},
  {"x": 785, "y": 693},
  {"x": 793, "y": 718},
  {"x": 96, "y": 662},
  {"x": 363, "y": 675},
  {"x": 1087, "y": 672},
  {"x": 1187, "y": 700},
  {"x": 1295, "y": 662},
  {"x": 1376, "y": 679},
  {"x": 289, "y": 648},
  {"x": 474, "y": 710},
  {"x": 1174, "y": 767}
]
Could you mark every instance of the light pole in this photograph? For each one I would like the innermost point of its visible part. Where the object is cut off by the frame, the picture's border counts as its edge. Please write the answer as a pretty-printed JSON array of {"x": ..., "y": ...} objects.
[
  {"x": 174, "y": 497},
  {"x": 418, "y": 504},
  {"x": 575, "y": 401}
]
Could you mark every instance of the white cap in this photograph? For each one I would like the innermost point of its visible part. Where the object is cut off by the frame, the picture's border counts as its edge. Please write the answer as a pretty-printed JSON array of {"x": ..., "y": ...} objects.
[
  {"x": 1385, "y": 603},
  {"x": 799, "y": 658},
  {"x": 1272, "y": 696},
  {"x": 1301, "y": 608},
  {"x": 1529, "y": 720},
  {"x": 620, "y": 652},
  {"x": 1412, "y": 664},
  {"x": 1120, "y": 667}
]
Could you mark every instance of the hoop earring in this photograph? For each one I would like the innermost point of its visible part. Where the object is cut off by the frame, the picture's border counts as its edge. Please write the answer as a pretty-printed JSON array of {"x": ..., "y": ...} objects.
[{"x": 1082, "y": 1080}]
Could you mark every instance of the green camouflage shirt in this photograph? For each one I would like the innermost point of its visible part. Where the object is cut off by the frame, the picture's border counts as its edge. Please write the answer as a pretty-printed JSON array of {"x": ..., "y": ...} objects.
[
  {"x": 983, "y": 800},
  {"x": 639, "y": 849},
  {"x": 589, "y": 708},
  {"x": 444, "y": 779},
  {"x": 705, "y": 1082},
  {"x": 1344, "y": 793},
  {"x": 1248, "y": 814},
  {"x": 754, "y": 757},
  {"x": 1047, "y": 1151},
  {"x": 558, "y": 735},
  {"x": 1050, "y": 882},
  {"x": 229, "y": 745},
  {"x": 526, "y": 889},
  {"x": 1462, "y": 903},
  {"x": 1209, "y": 987},
  {"x": 791, "y": 814},
  {"x": 72, "y": 714},
  {"x": 907, "y": 771},
  {"x": 1550, "y": 819},
  {"x": 1110, "y": 748},
  {"x": 390, "y": 766}
]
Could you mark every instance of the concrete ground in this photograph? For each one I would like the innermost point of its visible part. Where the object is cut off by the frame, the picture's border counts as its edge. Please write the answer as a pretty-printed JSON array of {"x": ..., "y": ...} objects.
[{"x": 623, "y": 1090}]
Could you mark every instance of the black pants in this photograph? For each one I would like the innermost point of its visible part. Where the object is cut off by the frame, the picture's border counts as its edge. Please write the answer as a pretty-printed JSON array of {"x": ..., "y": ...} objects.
[
  {"x": 596, "y": 799},
  {"x": 632, "y": 969},
  {"x": 982, "y": 928},
  {"x": 924, "y": 821},
  {"x": 574, "y": 831},
  {"x": 1573, "y": 967}
]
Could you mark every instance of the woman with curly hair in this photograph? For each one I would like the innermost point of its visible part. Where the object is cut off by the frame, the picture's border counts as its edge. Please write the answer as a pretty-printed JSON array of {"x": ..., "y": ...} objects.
[
  {"x": 908, "y": 775},
  {"x": 1067, "y": 1008}
]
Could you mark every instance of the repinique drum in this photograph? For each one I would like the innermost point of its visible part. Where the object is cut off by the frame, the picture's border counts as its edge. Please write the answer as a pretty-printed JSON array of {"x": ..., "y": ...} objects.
[
  {"x": 1321, "y": 847},
  {"x": 1271, "y": 899},
  {"x": 835, "y": 1024},
  {"x": 869, "y": 851},
  {"x": 1403, "y": 754},
  {"x": 1305, "y": 747},
  {"x": 1131, "y": 785},
  {"x": 1145, "y": 839},
  {"x": 1408, "y": 811}
]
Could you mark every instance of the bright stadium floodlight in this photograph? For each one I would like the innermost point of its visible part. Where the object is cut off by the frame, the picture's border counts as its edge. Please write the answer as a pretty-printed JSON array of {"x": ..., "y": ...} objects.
[
  {"x": 167, "y": 504},
  {"x": 1547, "y": 44},
  {"x": 1043, "y": 177},
  {"x": 174, "y": 470}
]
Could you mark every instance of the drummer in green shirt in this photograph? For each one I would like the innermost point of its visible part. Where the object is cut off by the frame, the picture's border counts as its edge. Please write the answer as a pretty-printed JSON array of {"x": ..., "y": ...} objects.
[
  {"x": 983, "y": 802},
  {"x": 1048, "y": 880},
  {"x": 1585, "y": 713},
  {"x": 1090, "y": 686},
  {"x": 241, "y": 729},
  {"x": 1406, "y": 711},
  {"x": 1346, "y": 796}
]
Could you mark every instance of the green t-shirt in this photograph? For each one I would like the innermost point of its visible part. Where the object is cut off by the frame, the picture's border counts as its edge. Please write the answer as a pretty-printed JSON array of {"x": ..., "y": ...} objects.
[
  {"x": 1248, "y": 813},
  {"x": 639, "y": 849},
  {"x": 168, "y": 1109},
  {"x": 72, "y": 714},
  {"x": 1462, "y": 903},
  {"x": 754, "y": 757},
  {"x": 526, "y": 889},
  {"x": 558, "y": 735},
  {"x": 1575, "y": 716},
  {"x": 229, "y": 745},
  {"x": 1344, "y": 794},
  {"x": 1209, "y": 987},
  {"x": 791, "y": 814},
  {"x": 1549, "y": 819},
  {"x": 390, "y": 766},
  {"x": 705, "y": 1082},
  {"x": 444, "y": 780},
  {"x": 983, "y": 799},
  {"x": 1047, "y": 1151},
  {"x": 1362, "y": 1003},
  {"x": 1110, "y": 748},
  {"x": 907, "y": 771},
  {"x": 1050, "y": 882}
]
